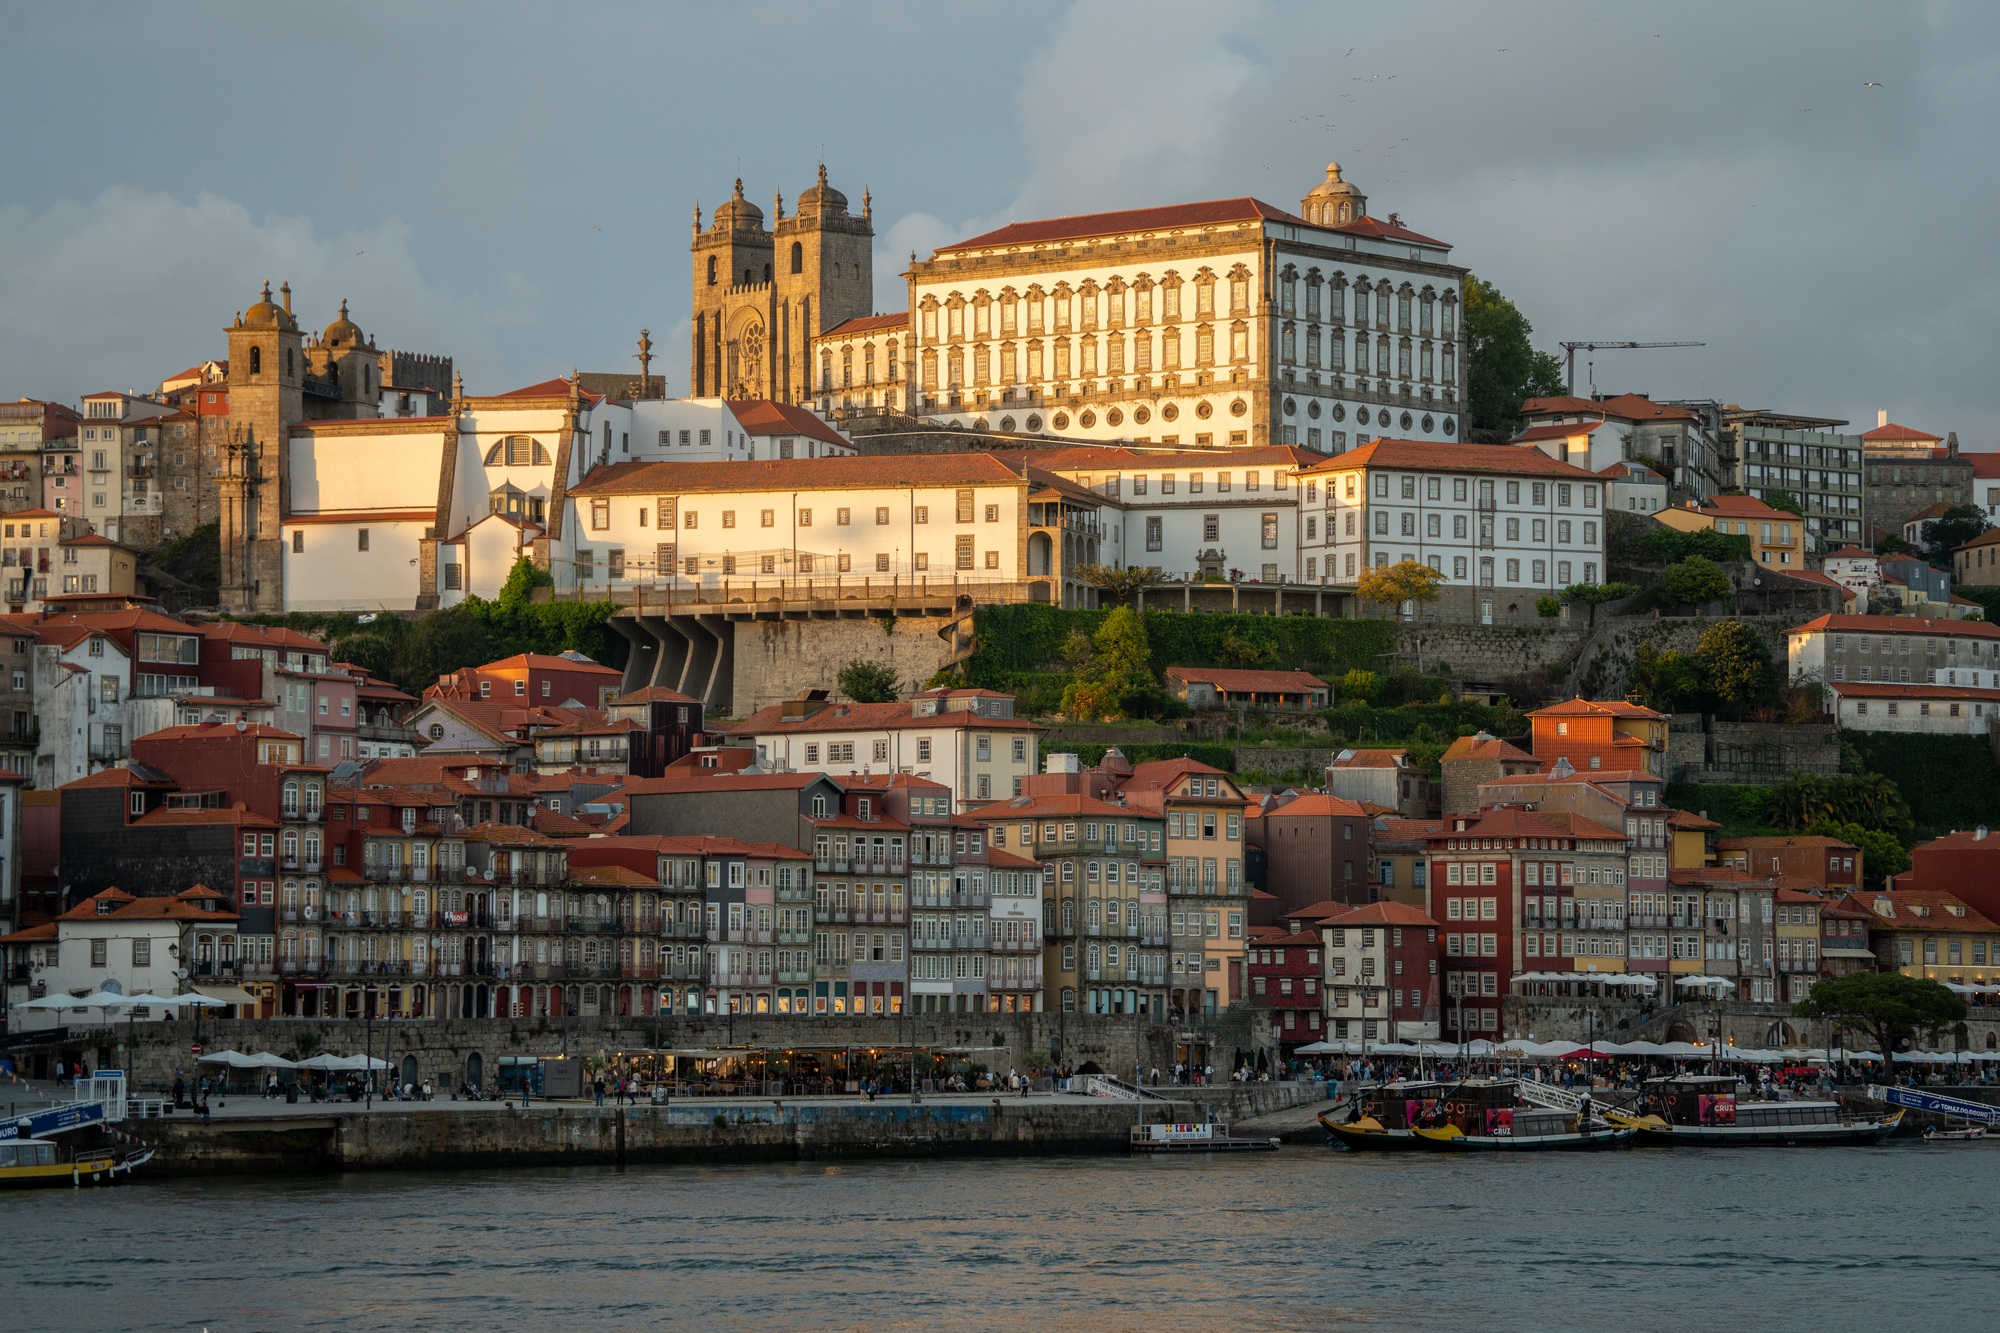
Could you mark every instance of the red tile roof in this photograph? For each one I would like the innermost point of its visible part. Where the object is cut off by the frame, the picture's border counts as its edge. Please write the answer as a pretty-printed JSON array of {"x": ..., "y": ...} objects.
[
  {"x": 799, "y": 474},
  {"x": 1385, "y": 913},
  {"x": 1891, "y": 431},
  {"x": 1581, "y": 707},
  {"x": 1848, "y": 689},
  {"x": 1431, "y": 456},
  {"x": 1168, "y": 217},
  {"x": 1921, "y": 625},
  {"x": 556, "y": 388},
  {"x": 1249, "y": 682},
  {"x": 1940, "y": 911},
  {"x": 1989, "y": 537},
  {"x": 867, "y": 717},
  {"x": 867, "y": 324},
  {"x": 1316, "y": 805},
  {"x": 1380, "y": 758},
  {"x": 1985, "y": 464},
  {"x": 1388, "y": 231},
  {"x": 1040, "y": 807},
  {"x": 1556, "y": 432},
  {"x": 1485, "y": 747},
  {"x": 761, "y": 416}
]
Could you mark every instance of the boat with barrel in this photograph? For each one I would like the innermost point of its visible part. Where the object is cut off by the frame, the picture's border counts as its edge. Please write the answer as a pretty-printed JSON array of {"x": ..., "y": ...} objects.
[
  {"x": 1501, "y": 1115},
  {"x": 1382, "y": 1118},
  {"x": 1704, "y": 1111}
]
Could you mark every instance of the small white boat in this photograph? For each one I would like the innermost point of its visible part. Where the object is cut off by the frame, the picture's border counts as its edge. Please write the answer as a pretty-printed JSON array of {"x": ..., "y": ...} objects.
[
  {"x": 1202, "y": 1137},
  {"x": 1950, "y": 1133}
]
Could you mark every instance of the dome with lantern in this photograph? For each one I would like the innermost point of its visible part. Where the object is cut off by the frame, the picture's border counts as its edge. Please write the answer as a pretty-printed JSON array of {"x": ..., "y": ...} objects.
[
  {"x": 343, "y": 332},
  {"x": 738, "y": 213},
  {"x": 1334, "y": 201}
]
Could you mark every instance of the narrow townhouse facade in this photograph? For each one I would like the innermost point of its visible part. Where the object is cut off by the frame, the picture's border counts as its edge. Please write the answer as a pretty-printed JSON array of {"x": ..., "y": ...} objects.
[
  {"x": 1285, "y": 976},
  {"x": 1383, "y": 979}
]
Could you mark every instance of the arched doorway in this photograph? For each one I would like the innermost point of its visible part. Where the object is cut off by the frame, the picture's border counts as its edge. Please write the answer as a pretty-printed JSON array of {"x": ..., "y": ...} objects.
[
  {"x": 475, "y": 1070},
  {"x": 1041, "y": 553},
  {"x": 1683, "y": 1031},
  {"x": 409, "y": 1075}
]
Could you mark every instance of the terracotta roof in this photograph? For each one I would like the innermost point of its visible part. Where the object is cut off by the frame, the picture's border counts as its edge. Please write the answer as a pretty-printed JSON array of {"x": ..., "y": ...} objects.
[
  {"x": 555, "y": 388},
  {"x": 32, "y": 935},
  {"x": 889, "y": 472},
  {"x": 1388, "y": 231},
  {"x": 1814, "y": 576},
  {"x": 1121, "y": 458},
  {"x": 1942, "y": 911},
  {"x": 1990, "y": 537},
  {"x": 1069, "y": 803},
  {"x": 1249, "y": 682},
  {"x": 1316, "y": 805},
  {"x": 611, "y": 877},
  {"x": 1430, "y": 456},
  {"x": 1852, "y": 552},
  {"x": 1985, "y": 464},
  {"x": 1399, "y": 829},
  {"x": 1868, "y": 690},
  {"x": 761, "y": 416},
  {"x": 1213, "y": 212},
  {"x": 1746, "y": 506},
  {"x": 1485, "y": 747},
  {"x": 1159, "y": 774},
  {"x": 686, "y": 780},
  {"x": 1624, "y": 406},
  {"x": 1922, "y": 625},
  {"x": 1891, "y": 431},
  {"x": 867, "y": 324},
  {"x": 702, "y": 844},
  {"x": 1687, "y": 819},
  {"x": 1560, "y": 431},
  {"x": 1579, "y": 827},
  {"x": 1382, "y": 914},
  {"x": 1500, "y": 823},
  {"x": 1582, "y": 707},
  {"x": 177, "y": 908},
  {"x": 1382, "y": 758},
  {"x": 116, "y": 777}
]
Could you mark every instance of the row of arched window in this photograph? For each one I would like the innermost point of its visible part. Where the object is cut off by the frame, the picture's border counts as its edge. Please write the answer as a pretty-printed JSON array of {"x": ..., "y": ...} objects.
[{"x": 1085, "y": 357}]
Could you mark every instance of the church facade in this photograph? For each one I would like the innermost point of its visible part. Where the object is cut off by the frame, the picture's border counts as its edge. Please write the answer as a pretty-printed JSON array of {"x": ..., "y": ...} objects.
[{"x": 762, "y": 294}]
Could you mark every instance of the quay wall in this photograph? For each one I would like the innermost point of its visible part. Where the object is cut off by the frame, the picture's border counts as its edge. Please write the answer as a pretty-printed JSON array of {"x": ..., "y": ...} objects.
[
  {"x": 436, "y": 1137},
  {"x": 1759, "y": 1026},
  {"x": 444, "y": 1049}
]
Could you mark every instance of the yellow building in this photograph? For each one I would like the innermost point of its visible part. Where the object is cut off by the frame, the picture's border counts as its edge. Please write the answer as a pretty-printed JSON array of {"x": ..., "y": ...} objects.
[
  {"x": 1777, "y": 536},
  {"x": 1207, "y": 895},
  {"x": 1691, "y": 840},
  {"x": 1930, "y": 933}
]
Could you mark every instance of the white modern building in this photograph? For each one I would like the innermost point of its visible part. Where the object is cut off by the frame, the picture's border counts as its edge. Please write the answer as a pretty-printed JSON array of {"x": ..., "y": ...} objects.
[
  {"x": 1895, "y": 650},
  {"x": 113, "y": 941}
]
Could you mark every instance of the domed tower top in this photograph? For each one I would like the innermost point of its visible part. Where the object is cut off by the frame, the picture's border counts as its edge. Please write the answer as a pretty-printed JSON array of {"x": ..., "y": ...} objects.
[
  {"x": 343, "y": 332},
  {"x": 1334, "y": 201},
  {"x": 268, "y": 314},
  {"x": 819, "y": 197},
  {"x": 738, "y": 214}
]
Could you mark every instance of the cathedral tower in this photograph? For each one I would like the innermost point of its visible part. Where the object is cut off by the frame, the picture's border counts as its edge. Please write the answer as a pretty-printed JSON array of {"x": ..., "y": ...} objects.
[
  {"x": 761, "y": 294},
  {"x": 267, "y": 371}
]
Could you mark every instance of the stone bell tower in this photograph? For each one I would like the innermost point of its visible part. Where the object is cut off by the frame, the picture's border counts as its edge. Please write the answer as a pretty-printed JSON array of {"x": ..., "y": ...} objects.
[{"x": 267, "y": 371}]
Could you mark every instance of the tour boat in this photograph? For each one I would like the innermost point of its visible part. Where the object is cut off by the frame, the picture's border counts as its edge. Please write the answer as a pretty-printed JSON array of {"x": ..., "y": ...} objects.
[
  {"x": 1525, "y": 1129},
  {"x": 42, "y": 1164},
  {"x": 1382, "y": 1117},
  {"x": 1702, "y": 1111}
]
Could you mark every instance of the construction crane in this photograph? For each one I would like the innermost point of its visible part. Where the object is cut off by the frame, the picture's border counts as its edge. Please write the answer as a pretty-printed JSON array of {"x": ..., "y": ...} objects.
[{"x": 1570, "y": 350}]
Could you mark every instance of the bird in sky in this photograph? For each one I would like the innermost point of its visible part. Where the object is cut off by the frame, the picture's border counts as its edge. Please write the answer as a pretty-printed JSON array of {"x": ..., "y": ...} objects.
[
  {"x": 1350, "y": 51},
  {"x": 1804, "y": 109},
  {"x": 1871, "y": 85}
]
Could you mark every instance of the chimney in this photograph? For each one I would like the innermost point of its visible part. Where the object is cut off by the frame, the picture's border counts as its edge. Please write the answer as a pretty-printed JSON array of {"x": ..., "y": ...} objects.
[
  {"x": 1881, "y": 417},
  {"x": 1951, "y": 443}
]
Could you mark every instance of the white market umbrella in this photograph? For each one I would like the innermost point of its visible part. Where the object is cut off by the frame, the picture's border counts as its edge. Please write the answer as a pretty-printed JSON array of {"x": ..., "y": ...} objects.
[
  {"x": 234, "y": 1059},
  {"x": 58, "y": 1002},
  {"x": 323, "y": 1061},
  {"x": 269, "y": 1060}
]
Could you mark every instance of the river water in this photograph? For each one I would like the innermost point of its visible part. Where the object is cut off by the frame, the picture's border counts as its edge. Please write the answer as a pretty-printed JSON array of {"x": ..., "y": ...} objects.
[{"x": 1306, "y": 1238}]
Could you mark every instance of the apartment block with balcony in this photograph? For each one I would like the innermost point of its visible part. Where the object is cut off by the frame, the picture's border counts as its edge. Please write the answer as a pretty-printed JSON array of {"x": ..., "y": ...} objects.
[{"x": 1105, "y": 912}]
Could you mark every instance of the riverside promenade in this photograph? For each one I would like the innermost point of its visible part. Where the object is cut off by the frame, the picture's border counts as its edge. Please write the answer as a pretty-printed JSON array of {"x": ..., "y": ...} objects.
[{"x": 256, "y": 1135}]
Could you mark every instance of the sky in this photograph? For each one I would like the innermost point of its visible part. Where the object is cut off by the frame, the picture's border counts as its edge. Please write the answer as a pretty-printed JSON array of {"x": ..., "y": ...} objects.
[{"x": 1806, "y": 187}]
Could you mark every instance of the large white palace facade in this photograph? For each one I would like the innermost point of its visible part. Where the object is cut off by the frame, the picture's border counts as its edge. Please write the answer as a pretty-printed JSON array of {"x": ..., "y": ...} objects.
[{"x": 1229, "y": 323}]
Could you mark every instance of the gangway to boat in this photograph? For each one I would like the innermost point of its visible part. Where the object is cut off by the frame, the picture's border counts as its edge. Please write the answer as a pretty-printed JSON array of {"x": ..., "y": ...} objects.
[
  {"x": 1105, "y": 1085},
  {"x": 1919, "y": 1100},
  {"x": 100, "y": 1099}
]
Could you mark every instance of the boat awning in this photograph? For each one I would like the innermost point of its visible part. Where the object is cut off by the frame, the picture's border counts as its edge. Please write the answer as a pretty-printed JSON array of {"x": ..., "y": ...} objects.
[{"x": 227, "y": 994}]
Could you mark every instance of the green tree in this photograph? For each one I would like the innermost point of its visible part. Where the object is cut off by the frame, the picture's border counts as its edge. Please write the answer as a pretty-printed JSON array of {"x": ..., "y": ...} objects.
[
  {"x": 522, "y": 580},
  {"x": 1951, "y": 530},
  {"x": 1693, "y": 581},
  {"x": 1779, "y": 498},
  {"x": 374, "y": 653},
  {"x": 1116, "y": 679},
  {"x": 1888, "y": 1006},
  {"x": 868, "y": 682},
  {"x": 443, "y": 641},
  {"x": 1359, "y": 686},
  {"x": 1868, "y": 799},
  {"x": 1735, "y": 665},
  {"x": 1121, "y": 583},
  {"x": 1881, "y": 855},
  {"x": 1891, "y": 544},
  {"x": 1667, "y": 681},
  {"x": 1405, "y": 581},
  {"x": 1503, "y": 369}
]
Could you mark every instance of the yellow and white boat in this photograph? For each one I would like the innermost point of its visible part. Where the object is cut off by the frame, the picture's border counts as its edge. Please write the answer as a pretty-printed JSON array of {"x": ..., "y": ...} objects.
[{"x": 43, "y": 1164}]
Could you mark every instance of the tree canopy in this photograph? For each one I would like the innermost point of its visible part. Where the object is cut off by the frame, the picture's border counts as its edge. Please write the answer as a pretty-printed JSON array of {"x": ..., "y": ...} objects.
[
  {"x": 1735, "y": 666},
  {"x": 1693, "y": 581},
  {"x": 1405, "y": 581},
  {"x": 1888, "y": 1006},
  {"x": 1113, "y": 670},
  {"x": 1503, "y": 369},
  {"x": 868, "y": 682},
  {"x": 1867, "y": 799},
  {"x": 1121, "y": 582},
  {"x": 1779, "y": 498},
  {"x": 1951, "y": 530}
]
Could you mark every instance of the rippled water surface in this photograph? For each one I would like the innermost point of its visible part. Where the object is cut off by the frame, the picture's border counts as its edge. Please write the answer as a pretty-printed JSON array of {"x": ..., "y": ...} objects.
[{"x": 1828, "y": 1239}]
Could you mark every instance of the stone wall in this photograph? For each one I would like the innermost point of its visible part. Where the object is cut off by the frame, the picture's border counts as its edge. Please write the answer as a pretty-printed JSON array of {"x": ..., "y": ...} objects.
[
  {"x": 775, "y": 659},
  {"x": 443, "y": 1047},
  {"x": 1757, "y": 1026},
  {"x": 1513, "y": 645},
  {"x": 1701, "y": 748},
  {"x": 1602, "y": 668}
]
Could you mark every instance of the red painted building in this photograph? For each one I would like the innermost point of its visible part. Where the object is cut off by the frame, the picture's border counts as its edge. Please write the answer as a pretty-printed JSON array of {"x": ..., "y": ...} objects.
[
  {"x": 533, "y": 678},
  {"x": 1966, "y": 865},
  {"x": 1285, "y": 973}
]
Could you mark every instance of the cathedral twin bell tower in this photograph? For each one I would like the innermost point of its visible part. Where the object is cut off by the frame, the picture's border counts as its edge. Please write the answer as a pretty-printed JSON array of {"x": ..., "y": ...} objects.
[{"x": 761, "y": 295}]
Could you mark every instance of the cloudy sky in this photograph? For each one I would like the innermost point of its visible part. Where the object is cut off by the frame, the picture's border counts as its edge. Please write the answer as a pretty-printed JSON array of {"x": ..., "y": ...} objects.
[{"x": 511, "y": 184}]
